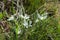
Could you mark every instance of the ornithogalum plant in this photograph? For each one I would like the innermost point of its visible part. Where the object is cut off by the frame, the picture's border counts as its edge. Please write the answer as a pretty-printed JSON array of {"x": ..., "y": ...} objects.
[{"x": 29, "y": 20}]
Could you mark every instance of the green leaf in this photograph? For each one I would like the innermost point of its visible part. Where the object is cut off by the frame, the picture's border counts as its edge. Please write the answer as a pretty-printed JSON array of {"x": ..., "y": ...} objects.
[{"x": 1, "y": 15}]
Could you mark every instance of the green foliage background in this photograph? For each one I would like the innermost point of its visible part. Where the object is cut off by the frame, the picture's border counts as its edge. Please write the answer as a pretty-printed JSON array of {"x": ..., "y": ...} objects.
[{"x": 47, "y": 29}]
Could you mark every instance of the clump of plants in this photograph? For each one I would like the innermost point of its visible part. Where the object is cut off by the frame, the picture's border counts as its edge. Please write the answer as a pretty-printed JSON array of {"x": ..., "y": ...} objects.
[{"x": 28, "y": 20}]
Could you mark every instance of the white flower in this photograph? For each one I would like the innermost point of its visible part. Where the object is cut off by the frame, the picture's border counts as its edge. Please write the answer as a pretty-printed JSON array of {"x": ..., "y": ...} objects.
[
  {"x": 26, "y": 16},
  {"x": 25, "y": 23},
  {"x": 11, "y": 18},
  {"x": 19, "y": 32},
  {"x": 30, "y": 23},
  {"x": 39, "y": 16},
  {"x": 21, "y": 16},
  {"x": 37, "y": 20},
  {"x": 43, "y": 16}
]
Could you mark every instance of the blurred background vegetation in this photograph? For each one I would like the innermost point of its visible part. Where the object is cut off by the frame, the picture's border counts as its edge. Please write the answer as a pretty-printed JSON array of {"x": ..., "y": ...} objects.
[{"x": 29, "y": 20}]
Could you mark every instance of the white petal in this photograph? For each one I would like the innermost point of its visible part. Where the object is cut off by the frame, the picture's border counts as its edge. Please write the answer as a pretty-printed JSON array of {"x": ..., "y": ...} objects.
[
  {"x": 21, "y": 16},
  {"x": 43, "y": 16},
  {"x": 26, "y": 16},
  {"x": 11, "y": 18},
  {"x": 19, "y": 31},
  {"x": 25, "y": 23},
  {"x": 30, "y": 23},
  {"x": 37, "y": 20}
]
